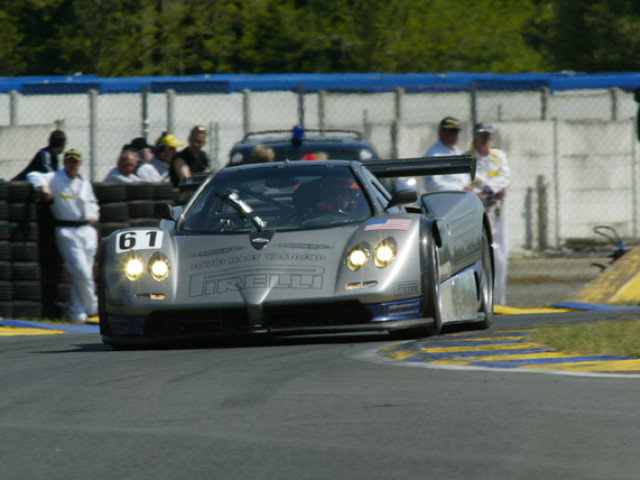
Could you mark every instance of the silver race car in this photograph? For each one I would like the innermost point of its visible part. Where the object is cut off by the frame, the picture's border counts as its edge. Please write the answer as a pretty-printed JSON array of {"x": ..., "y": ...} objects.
[{"x": 301, "y": 247}]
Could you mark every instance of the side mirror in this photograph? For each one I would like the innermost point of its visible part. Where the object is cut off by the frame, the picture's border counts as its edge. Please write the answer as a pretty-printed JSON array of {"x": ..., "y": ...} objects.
[
  {"x": 403, "y": 197},
  {"x": 163, "y": 211}
]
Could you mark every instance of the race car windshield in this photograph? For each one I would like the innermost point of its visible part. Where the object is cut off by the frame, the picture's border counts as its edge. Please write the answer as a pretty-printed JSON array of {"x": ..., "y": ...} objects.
[{"x": 284, "y": 197}]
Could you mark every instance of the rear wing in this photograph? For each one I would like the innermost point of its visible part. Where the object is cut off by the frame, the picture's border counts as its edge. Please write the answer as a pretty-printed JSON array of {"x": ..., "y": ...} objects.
[{"x": 413, "y": 167}]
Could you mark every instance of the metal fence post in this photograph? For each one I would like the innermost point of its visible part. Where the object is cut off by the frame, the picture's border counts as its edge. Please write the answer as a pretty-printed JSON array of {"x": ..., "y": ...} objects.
[
  {"x": 474, "y": 107},
  {"x": 614, "y": 94},
  {"x": 322, "y": 100},
  {"x": 171, "y": 110},
  {"x": 543, "y": 213},
  {"x": 556, "y": 182},
  {"x": 14, "y": 97},
  {"x": 246, "y": 111},
  {"x": 544, "y": 102},
  {"x": 528, "y": 219},
  {"x": 397, "y": 121},
  {"x": 145, "y": 110},
  {"x": 634, "y": 180},
  {"x": 300, "y": 90},
  {"x": 93, "y": 131},
  {"x": 395, "y": 133}
]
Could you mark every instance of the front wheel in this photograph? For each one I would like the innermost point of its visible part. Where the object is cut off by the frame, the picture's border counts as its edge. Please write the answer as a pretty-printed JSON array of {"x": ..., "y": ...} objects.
[
  {"x": 485, "y": 288},
  {"x": 431, "y": 288}
]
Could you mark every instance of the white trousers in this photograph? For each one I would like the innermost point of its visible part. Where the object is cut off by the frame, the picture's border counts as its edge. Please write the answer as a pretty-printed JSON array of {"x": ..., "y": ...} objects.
[
  {"x": 498, "y": 220},
  {"x": 78, "y": 246}
]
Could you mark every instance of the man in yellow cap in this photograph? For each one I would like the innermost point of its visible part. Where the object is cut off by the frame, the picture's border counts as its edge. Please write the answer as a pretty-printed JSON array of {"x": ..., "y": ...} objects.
[
  {"x": 75, "y": 209},
  {"x": 163, "y": 153}
]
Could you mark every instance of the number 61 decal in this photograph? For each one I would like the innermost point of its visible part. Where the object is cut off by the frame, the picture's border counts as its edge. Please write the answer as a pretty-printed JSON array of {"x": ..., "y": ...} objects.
[{"x": 138, "y": 240}]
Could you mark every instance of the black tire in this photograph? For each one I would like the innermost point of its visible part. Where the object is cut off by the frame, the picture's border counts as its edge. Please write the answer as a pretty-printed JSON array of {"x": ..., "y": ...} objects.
[
  {"x": 114, "y": 212},
  {"x": 139, "y": 191},
  {"x": 23, "y": 212},
  {"x": 4, "y": 190},
  {"x": 5, "y": 250},
  {"x": 141, "y": 209},
  {"x": 25, "y": 271},
  {"x": 164, "y": 192},
  {"x": 24, "y": 252},
  {"x": 6, "y": 309},
  {"x": 4, "y": 230},
  {"x": 26, "y": 290},
  {"x": 19, "y": 192},
  {"x": 26, "y": 231},
  {"x": 4, "y": 210},
  {"x": 110, "y": 192},
  {"x": 27, "y": 309},
  {"x": 485, "y": 287},
  {"x": 5, "y": 270},
  {"x": 6, "y": 292},
  {"x": 431, "y": 288}
]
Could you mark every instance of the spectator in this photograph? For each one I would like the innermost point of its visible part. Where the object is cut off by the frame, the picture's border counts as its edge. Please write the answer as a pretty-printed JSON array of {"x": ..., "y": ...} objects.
[
  {"x": 125, "y": 171},
  {"x": 46, "y": 160},
  {"x": 141, "y": 146},
  {"x": 75, "y": 210},
  {"x": 192, "y": 159},
  {"x": 493, "y": 177},
  {"x": 448, "y": 134},
  {"x": 262, "y": 154},
  {"x": 145, "y": 169},
  {"x": 163, "y": 154}
]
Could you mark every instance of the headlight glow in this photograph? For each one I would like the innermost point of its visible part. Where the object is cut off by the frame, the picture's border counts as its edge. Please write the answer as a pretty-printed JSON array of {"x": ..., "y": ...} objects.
[
  {"x": 384, "y": 253},
  {"x": 133, "y": 268},
  {"x": 356, "y": 258},
  {"x": 159, "y": 268}
]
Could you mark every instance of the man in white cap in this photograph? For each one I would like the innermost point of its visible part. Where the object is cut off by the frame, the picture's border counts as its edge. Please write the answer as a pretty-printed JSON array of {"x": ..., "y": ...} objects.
[
  {"x": 75, "y": 210},
  {"x": 493, "y": 177},
  {"x": 447, "y": 144}
]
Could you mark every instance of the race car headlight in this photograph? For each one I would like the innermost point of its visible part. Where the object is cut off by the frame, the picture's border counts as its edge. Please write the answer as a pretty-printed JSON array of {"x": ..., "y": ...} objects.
[
  {"x": 133, "y": 268},
  {"x": 384, "y": 253},
  {"x": 356, "y": 258},
  {"x": 159, "y": 267}
]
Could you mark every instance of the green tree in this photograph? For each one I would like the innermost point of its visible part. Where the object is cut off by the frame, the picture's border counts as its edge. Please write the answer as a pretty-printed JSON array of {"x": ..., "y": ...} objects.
[{"x": 595, "y": 35}]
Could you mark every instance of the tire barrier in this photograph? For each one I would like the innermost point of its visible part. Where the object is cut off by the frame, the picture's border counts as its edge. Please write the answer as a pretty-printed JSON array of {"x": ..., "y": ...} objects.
[{"x": 33, "y": 281}]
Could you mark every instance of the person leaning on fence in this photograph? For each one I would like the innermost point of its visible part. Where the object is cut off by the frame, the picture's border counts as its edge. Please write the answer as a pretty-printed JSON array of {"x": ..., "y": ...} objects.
[
  {"x": 191, "y": 159},
  {"x": 125, "y": 170},
  {"x": 46, "y": 160},
  {"x": 145, "y": 170},
  {"x": 75, "y": 209},
  {"x": 493, "y": 177},
  {"x": 262, "y": 154},
  {"x": 447, "y": 144}
]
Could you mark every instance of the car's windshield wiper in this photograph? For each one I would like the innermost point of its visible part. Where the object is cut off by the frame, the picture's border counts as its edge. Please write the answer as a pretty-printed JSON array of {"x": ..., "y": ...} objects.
[{"x": 242, "y": 208}]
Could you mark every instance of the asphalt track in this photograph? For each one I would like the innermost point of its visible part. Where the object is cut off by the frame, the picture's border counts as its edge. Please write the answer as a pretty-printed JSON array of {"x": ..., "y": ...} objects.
[
  {"x": 506, "y": 349},
  {"x": 498, "y": 349}
]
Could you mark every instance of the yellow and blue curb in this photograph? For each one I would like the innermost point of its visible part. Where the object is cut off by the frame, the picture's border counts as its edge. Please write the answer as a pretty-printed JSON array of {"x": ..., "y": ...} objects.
[
  {"x": 504, "y": 350},
  {"x": 24, "y": 327}
]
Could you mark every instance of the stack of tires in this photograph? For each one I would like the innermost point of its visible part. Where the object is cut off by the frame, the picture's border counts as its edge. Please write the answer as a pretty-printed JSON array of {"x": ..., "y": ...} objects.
[
  {"x": 33, "y": 281},
  {"x": 22, "y": 246}
]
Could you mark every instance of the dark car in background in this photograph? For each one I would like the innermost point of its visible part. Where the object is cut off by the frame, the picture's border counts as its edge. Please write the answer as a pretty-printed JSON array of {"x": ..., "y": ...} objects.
[{"x": 301, "y": 144}]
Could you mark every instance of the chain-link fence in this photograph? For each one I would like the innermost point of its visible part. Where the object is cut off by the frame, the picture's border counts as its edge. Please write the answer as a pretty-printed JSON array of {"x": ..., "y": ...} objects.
[{"x": 573, "y": 153}]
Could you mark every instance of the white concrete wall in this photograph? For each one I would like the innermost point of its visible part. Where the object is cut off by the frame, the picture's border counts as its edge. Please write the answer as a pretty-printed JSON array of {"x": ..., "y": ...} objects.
[{"x": 582, "y": 143}]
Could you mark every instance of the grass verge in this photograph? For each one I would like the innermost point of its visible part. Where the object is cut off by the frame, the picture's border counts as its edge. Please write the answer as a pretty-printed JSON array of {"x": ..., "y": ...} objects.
[{"x": 618, "y": 338}]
